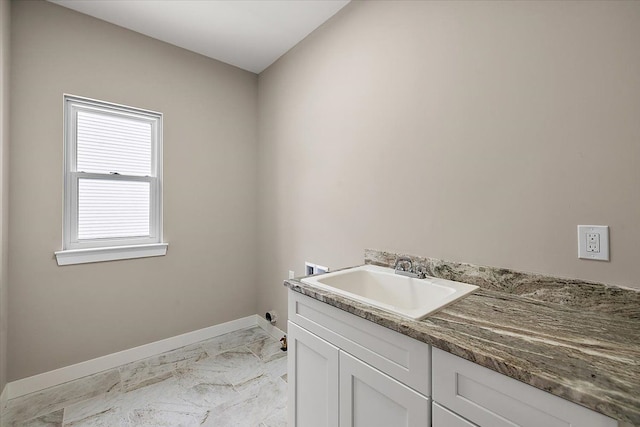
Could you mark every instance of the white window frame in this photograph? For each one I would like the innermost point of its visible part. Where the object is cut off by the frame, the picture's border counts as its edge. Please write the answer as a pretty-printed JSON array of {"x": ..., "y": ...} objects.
[{"x": 76, "y": 251}]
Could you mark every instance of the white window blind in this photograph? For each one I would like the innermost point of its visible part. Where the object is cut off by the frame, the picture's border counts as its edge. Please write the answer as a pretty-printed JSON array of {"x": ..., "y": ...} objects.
[
  {"x": 112, "y": 209},
  {"x": 113, "y": 188},
  {"x": 109, "y": 144}
]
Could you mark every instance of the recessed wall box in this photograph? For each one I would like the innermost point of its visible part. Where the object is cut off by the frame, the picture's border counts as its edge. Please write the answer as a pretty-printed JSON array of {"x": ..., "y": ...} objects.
[{"x": 310, "y": 269}]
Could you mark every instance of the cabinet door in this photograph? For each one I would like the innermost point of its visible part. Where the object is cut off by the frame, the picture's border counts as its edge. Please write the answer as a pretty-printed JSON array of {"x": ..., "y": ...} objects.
[
  {"x": 370, "y": 398},
  {"x": 313, "y": 380},
  {"x": 490, "y": 399}
]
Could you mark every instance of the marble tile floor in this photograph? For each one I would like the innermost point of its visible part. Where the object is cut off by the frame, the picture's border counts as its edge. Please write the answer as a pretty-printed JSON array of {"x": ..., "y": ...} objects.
[{"x": 237, "y": 379}]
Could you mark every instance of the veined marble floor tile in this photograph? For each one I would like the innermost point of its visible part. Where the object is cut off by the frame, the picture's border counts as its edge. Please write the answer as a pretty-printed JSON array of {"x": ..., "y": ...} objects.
[
  {"x": 165, "y": 396},
  {"x": 156, "y": 368},
  {"x": 251, "y": 408},
  {"x": 159, "y": 418},
  {"x": 112, "y": 417},
  {"x": 277, "y": 420},
  {"x": 276, "y": 368},
  {"x": 267, "y": 349},
  {"x": 52, "y": 399},
  {"x": 91, "y": 410},
  {"x": 53, "y": 419},
  {"x": 234, "y": 339},
  {"x": 233, "y": 380},
  {"x": 254, "y": 384},
  {"x": 238, "y": 365},
  {"x": 204, "y": 388}
]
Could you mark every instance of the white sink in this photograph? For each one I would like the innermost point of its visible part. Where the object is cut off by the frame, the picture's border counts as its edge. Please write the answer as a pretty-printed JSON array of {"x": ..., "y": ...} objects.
[{"x": 383, "y": 288}]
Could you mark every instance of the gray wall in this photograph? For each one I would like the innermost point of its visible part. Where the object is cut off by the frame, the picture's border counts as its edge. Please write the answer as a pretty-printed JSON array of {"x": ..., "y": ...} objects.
[
  {"x": 470, "y": 131},
  {"x": 5, "y": 8},
  {"x": 464, "y": 131},
  {"x": 64, "y": 315}
]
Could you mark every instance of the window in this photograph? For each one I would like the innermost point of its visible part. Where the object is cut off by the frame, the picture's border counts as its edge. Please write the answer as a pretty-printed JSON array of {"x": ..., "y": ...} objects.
[{"x": 112, "y": 182}]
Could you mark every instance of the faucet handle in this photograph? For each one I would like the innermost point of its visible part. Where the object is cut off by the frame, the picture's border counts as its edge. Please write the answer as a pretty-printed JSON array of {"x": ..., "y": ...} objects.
[
  {"x": 421, "y": 271},
  {"x": 401, "y": 261}
]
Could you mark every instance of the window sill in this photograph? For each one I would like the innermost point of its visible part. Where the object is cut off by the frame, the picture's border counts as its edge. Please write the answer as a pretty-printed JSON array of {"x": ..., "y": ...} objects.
[{"x": 82, "y": 256}]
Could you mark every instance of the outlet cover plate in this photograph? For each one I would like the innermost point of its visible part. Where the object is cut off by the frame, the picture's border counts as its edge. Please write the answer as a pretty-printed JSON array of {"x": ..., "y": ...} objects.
[{"x": 593, "y": 242}]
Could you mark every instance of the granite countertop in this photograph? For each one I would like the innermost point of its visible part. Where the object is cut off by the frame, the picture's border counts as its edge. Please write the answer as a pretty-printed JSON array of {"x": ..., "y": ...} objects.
[{"x": 574, "y": 339}]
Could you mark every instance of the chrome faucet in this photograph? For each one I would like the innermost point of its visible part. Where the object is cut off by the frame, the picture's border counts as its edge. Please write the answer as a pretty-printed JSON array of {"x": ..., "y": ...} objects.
[{"x": 400, "y": 268}]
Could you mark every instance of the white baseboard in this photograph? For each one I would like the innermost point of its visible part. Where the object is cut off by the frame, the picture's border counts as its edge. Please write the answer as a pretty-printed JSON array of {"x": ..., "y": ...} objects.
[
  {"x": 73, "y": 372},
  {"x": 272, "y": 330}
]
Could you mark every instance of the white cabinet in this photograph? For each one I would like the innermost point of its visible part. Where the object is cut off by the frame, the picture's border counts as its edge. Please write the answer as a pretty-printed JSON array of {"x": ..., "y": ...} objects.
[
  {"x": 489, "y": 399},
  {"x": 345, "y": 371},
  {"x": 341, "y": 366},
  {"x": 313, "y": 379},
  {"x": 403, "y": 358}
]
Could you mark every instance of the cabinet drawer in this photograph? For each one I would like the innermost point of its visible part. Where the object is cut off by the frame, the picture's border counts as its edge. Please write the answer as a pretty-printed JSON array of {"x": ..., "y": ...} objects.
[
  {"x": 490, "y": 399},
  {"x": 397, "y": 355},
  {"x": 442, "y": 417}
]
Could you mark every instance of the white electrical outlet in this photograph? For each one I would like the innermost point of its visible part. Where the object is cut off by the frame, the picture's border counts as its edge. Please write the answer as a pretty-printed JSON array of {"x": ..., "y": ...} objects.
[
  {"x": 593, "y": 242},
  {"x": 292, "y": 274}
]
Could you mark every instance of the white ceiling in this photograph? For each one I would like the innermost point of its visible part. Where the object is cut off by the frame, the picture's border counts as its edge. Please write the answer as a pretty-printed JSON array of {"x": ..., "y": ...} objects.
[{"x": 250, "y": 34}]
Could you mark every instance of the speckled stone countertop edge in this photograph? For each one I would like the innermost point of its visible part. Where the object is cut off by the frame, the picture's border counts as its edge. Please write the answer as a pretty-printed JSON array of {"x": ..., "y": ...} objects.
[{"x": 438, "y": 336}]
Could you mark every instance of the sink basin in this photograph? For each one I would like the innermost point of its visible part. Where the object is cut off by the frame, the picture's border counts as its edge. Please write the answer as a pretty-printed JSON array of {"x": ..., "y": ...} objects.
[{"x": 383, "y": 288}]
